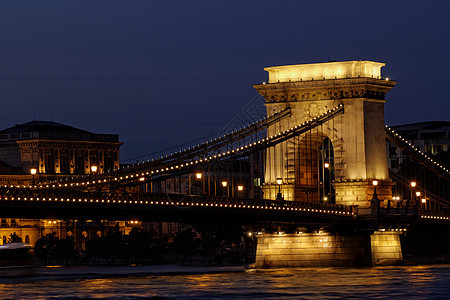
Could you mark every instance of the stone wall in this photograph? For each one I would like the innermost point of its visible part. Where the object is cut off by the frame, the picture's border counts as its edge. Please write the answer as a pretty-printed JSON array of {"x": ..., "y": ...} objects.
[
  {"x": 325, "y": 249},
  {"x": 311, "y": 249},
  {"x": 386, "y": 248}
]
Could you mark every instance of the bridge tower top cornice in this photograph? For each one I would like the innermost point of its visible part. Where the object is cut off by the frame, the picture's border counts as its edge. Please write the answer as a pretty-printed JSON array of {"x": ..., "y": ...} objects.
[
  {"x": 328, "y": 70},
  {"x": 325, "y": 81}
]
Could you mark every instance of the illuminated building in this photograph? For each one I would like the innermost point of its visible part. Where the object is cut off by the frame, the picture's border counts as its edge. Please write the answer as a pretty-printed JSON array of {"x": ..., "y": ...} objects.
[
  {"x": 40, "y": 150},
  {"x": 55, "y": 150}
]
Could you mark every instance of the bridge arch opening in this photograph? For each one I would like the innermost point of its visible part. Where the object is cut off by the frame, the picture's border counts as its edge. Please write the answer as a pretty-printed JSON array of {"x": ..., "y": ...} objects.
[
  {"x": 326, "y": 172},
  {"x": 314, "y": 169}
]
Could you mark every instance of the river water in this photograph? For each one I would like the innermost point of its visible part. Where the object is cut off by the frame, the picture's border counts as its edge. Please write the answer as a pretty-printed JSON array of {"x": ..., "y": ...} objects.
[{"x": 408, "y": 282}]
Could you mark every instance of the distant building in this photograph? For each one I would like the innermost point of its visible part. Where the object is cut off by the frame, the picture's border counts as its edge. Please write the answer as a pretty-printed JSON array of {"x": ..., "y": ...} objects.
[
  {"x": 55, "y": 149},
  {"x": 429, "y": 137}
]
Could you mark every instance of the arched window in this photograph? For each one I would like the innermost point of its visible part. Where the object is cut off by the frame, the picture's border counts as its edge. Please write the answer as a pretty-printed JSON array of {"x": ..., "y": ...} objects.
[
  {"x": 4, "y": 240},
  {"x": 326, "y": 171},
  {"x": 27, "y": 239}
]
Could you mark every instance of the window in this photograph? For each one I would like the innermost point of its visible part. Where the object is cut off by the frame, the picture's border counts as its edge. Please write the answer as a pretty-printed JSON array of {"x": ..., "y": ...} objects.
[{"x": 27, "y": 239}]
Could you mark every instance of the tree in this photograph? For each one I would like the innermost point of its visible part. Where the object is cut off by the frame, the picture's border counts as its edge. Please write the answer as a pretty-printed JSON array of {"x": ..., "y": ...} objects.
[
  {"x": 185, "y": 242},
  {"x": 14, "y": 238},
  {"x": 45, "y": 247},
  {"x": 216, "y": 236},
  {"x": 141, "y": 245},
  {"x": 65, "y": 250},
  {"x": 51, "y": 247}
]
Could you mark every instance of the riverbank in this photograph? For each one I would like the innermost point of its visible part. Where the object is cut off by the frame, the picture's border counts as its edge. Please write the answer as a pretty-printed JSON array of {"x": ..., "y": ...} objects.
[{"x": 95, "y": 271}]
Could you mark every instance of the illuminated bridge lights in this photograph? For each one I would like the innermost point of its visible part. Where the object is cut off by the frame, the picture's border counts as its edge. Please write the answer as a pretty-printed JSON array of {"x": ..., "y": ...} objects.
[
  {"x": 416, "y": 149},
  {"x": 224, "y": 153}
]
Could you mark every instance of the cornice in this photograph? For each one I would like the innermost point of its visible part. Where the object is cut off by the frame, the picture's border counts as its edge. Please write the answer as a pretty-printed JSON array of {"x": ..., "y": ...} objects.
[
  {"x": 330, "y": 89},
  {"x": 66, "y": 143}
]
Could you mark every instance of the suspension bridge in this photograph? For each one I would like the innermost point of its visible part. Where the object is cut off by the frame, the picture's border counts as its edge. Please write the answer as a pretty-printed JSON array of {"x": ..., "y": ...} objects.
[{"x": 317, "y": 161}]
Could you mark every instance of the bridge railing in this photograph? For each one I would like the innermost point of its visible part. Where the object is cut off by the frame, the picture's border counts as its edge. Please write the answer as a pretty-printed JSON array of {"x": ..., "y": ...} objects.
[
  {"x": 70, "y": 195},
  {"x": 435, "y": 215}
]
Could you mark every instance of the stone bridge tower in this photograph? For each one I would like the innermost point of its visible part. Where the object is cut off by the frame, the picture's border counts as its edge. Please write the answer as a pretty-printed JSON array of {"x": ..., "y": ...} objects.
[{"x": 357, "y": 136}]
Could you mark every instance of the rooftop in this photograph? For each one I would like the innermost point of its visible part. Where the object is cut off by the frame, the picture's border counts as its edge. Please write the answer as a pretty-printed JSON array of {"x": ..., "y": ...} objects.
[
  {"x": 40, "y": 126},
  {"x": 52, "y": 130},
  {"x": 428, "y": 125}
]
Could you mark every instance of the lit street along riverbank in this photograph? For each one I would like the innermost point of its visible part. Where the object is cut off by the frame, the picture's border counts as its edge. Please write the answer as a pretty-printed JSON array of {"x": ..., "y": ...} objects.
[{"x": 175, "y": 282}]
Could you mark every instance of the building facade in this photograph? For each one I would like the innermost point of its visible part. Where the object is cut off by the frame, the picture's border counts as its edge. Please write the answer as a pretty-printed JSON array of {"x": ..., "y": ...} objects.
[{"x": 55, "y": 150}]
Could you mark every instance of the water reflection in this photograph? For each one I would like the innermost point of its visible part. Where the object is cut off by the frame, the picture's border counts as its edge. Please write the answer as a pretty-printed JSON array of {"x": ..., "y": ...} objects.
[{"x": 307, "y": 283}]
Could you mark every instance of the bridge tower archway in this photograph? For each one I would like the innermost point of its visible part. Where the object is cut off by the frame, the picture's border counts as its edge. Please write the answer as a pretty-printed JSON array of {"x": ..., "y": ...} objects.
[
  {"x": 357, "y": 135},
  {"x": 313, "y": 168}
]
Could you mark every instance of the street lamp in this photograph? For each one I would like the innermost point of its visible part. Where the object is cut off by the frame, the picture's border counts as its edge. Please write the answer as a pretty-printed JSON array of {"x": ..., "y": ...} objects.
[
  {"x": 279, "y": 182},
  {"x": 375, "y": 202},
  {"x": 240, "y": 189},
  {"x": 199, "y": 176},
  {"x": 424, "y": 203},
  {"x": 326, "y": 165},
  {"x": 33, "y": 173},
  {"x": 413, "y": 185},
  {"x": 94, "y": 169},
  {"x": 224, "y": 186}
]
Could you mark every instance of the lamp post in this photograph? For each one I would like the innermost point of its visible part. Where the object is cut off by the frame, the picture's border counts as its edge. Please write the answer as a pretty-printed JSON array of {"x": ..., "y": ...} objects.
[
  {"x": 225, "y": 187},
  {"x": 417, "y": 200},
  {"x": 199, "y": 176},
  {"x": 240, "y": 189},
  {"x": 375, "y": 202},
  {"x": 413, "y": 185},
  {"x": 397, "y": 202},
  {"x": 94, "y": 169},
  {"x": 33, "y": 172},
  {"x": 424, "y": 203},
  {"x": 279, "y": 183}
]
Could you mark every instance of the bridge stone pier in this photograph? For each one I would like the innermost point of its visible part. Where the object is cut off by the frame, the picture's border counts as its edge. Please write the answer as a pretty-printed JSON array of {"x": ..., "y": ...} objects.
[
  {"x": 280, "y": 250},
  {"x": 348, "y": 151},
  {"x": 351, "y": 146}
]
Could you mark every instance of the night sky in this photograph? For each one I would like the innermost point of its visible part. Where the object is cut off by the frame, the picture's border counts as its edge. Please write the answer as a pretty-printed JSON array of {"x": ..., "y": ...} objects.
[{"x": 161, "y": 73}]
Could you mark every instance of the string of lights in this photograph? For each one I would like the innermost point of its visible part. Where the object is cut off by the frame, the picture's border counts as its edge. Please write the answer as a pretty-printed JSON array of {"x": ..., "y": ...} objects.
[
  {"x": 417, "y": 151},
  {"x": 173, "y": 166}
]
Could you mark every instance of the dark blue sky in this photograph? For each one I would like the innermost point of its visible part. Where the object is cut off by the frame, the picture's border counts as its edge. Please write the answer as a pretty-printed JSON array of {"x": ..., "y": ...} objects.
[{"x": 160, "y": 73}]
